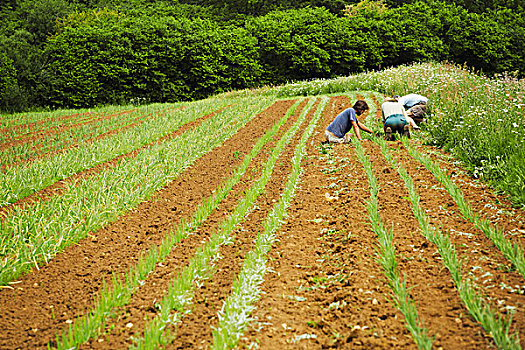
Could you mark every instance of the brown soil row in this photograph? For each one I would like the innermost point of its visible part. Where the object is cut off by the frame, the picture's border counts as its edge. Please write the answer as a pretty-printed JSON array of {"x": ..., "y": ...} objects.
[
  {"x": 208, "y": 299},
  {"x": 66, "y": 287},
  {"x": 57, "y": 188}
]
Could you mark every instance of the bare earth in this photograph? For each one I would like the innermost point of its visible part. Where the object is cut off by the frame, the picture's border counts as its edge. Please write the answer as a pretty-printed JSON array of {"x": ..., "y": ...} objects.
[{"x": 325, "y": 289}]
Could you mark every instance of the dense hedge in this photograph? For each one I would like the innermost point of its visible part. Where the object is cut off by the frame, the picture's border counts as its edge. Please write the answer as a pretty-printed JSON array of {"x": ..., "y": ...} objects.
[
  {"x": 118, "y": 60},
  {"x": 169, "y": 53},
  {"x": 8, "y": 81}
]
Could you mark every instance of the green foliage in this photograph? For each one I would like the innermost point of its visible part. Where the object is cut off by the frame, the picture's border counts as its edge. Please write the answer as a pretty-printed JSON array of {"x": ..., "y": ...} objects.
[
  {"x": 255, "y": 8},
  {"x": 114, "y": 58},
  {"x": 95, "y": 52},
  {"x": 25, "y": 32},
  {"x": 307, "y": 43},
  {"x": 8, "y": 84},
  {"x": 480, "y": 41},
  {"x": 413, "y": 33}
]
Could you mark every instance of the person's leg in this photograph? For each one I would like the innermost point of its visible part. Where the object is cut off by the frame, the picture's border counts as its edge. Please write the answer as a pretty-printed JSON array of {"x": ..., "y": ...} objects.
[
  {"x": 388, "y": 134},
  {"x": 332, "y": 138},
  {"x": 406, "y": 131}
]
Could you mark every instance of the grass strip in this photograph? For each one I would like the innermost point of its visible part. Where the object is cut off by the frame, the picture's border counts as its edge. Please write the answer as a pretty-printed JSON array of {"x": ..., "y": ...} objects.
[
  {"x": 387, "y": 259},
  {"x": 200, "y": 267},
  {"x": 237, "y": 308},
  {"x": 60, "y": 139},
  {"x": 109, "y": 299},
  {"x": 512, "y": 251},
  {"x": 35, "y": 235},
  {"x": 22, "y": 181},
  {"x": 495, "y": 324}
]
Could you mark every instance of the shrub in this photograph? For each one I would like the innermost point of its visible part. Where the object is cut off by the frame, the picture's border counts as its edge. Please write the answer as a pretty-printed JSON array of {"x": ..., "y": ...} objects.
[
  {"x": 9, "y": 90},
  {"x": 114, "y": 59}
]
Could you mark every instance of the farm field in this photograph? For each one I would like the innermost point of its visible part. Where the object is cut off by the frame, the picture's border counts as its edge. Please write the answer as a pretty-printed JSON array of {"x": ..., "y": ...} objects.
[{"x": 225, "y": 223}]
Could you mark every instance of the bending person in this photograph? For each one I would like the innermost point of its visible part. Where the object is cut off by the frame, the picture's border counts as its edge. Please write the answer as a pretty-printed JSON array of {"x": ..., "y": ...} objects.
[
  {"x": 416, "y": 106},
  {"x": 346, "y": 120},
  {"x": 395, "y": 119}
]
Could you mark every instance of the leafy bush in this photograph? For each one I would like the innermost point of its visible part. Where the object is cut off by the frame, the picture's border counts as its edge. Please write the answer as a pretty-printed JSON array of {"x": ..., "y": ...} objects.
[
  {"x": 113, "y": 58},
  {"x": 308, "y": 43},
  {"x": 9, "y": 90}
]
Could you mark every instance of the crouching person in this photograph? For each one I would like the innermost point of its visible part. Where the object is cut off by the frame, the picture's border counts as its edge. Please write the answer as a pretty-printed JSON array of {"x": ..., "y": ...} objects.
[
  {"x": 416, "y": 106},
  {"x": 395, "y": 119},
  {"x": 338, "y": 129}
]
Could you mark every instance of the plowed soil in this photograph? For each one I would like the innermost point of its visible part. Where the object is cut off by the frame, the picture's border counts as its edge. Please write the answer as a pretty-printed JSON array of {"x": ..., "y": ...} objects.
[{"x": 326, "y": 288}]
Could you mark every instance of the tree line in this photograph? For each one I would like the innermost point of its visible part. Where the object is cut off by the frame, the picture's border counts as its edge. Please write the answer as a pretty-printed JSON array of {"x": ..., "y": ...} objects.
[{"x": 58, "y": 53}]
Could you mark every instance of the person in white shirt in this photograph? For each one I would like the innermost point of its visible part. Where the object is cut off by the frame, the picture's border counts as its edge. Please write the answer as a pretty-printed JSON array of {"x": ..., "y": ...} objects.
[
  {"x": 395, "y": 119},
  {"x": 416, "y": 106}
]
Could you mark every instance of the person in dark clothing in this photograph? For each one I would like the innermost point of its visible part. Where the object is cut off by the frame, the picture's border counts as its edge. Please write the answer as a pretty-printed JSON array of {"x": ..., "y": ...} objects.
[{"x": 338, "y": 129}]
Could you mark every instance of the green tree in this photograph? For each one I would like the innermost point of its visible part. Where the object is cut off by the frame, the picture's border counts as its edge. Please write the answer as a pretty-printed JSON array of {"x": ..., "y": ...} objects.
[
  {"x": 481, "y": 42},
  {"x": 112, "y": 58},
  {"x": 307, "y": 43},
  {"x": 9, "y": 90},
  {"x": 412, "y": 33}
]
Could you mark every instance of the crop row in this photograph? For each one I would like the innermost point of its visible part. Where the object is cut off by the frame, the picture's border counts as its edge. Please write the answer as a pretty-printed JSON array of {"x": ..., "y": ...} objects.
[
  {"x": 37, "y": 236},
  {"x": 32, "y": 236},
  {"x": 46, "y": 143},
  {"x": 22, "y": 181}
]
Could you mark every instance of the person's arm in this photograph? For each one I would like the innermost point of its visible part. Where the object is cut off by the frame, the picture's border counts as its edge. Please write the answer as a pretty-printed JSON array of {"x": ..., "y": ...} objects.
[
  {"x": 410, "y": 121},
  {"x": 356, "y": 130},
  {"x": 365, "y": 128}
]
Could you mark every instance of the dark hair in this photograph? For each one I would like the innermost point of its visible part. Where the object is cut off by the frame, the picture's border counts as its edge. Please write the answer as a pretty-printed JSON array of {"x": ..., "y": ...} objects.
[{"x": 360, "y": 106}]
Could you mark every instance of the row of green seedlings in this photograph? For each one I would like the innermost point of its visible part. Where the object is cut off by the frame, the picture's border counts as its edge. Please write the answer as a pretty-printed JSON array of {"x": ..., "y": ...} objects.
[
  {"x": 512, "y": 251},
  {"x": 238, "y": 306},
  {"x": 27, "y": 149},
  {"x": 24, "y": 149},
  {"x": 110, "y": 299},
  {"x": 37, "y": 233},
  {"x": 68, "y": 123},
  {"x": 496, "y": 325},
  {"x": 181, "y": 290},
  {"x": 22, "y": 181},
  {"x": 387, "y": 259},
  {"x": 16, "y": 125}
]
